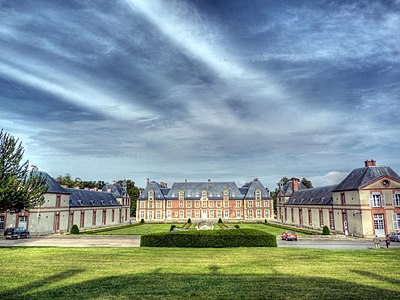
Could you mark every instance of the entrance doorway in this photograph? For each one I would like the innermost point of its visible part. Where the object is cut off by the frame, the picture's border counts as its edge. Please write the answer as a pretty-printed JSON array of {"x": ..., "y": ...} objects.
[
  {"x": 22, "y": 222},
  {"x": 379, "y": 225},
  {"x": 204, "y": 215}
]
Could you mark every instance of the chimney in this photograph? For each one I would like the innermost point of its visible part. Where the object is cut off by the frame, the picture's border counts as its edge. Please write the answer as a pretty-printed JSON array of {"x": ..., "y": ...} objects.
[
  {"x": 295, "y": 184},
  {"x": 370, "y": 163},
  {"x": 34, "y": 168},
  {"x": 185, "y": 180},
  {"x": 163, "y": 184},
  {"x": 255, "y": 178},
  {"x": 147, "y": 181},
  {"x": 209, "y": 180}
]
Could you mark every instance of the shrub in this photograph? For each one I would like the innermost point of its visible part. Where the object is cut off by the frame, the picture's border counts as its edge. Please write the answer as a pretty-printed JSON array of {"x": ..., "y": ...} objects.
[
  {"x": 325, "y": 230},
  {"x": 210, "y": 239},
  {"x": 265, "y": 221},
  {"x": 172, "y": 227},
  {"x": 141, "y": 221},
  {"x": 219, "y": 220},
  {"x": 74, "y": 229},
  {"x": 189, "y": 221},
  {"x": 237, "y": 226}
]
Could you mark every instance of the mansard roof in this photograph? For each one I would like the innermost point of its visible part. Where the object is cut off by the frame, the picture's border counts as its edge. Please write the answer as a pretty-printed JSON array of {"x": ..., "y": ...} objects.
[
  {"x": 362, "y": 176},
  {"x": 215, "y": 190},
  {"x": 287, "y": 189},
  {"x": 315, "y": 196},
  {"x": 80, "y": 198},
  {"x": 116, "y": 189},
  {"x": 53, "y": 185}
]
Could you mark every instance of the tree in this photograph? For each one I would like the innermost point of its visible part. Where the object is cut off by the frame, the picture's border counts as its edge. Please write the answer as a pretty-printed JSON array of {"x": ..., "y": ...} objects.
[
  {"x": 19, "y": 188},
  {"x": 134, "y": 193},
  {"x": 307, "y": 183}
]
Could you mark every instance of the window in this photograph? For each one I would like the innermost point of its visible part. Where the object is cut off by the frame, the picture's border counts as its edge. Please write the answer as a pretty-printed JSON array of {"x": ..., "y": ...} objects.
[
  {"x": 2, "y": 222},
  {"x": 321, "y": 218},
  {"x": 266, "y": 203},
  {"x": 343, "y": 198},
  {"x": 396, "y": 199},
  {"x": 211, "y": 214},
  {"x": 150, "y": 214},
  {"x": 181, "y": 214},
  {"x": 238, "y": 214},
  {"x": 238, "y": 203},
  {"x": 150, "y": 204},
  {"x": 188, "y": 214},
  {"x": 168, "y": 214},
  {"x": 226, "y": 194},
  {"x": 211, "y": 203},
  {"x": 181, "y": 195},
  {"x": 197, "y": 204},
  {"x": 250, "y": 213},
  {"x": 331, "y": 220},
  {"x": 204, "y": 204},
  {"x": 150, "y": 195},
  {"x": 226, "y": 203},
  {"x": 292, "y": 212},
  {"x": 258, "y": 213},
  {"x": 218, "y": 204},
  {"x": 258, "y": 203},
  {"x": 378, "y": 222},
  {"x": 169, "y": 203},
  {"x": 159, "y": 204},
  {"x": 104, "y": 217},
  {"x": 82, "y": 219},
  {"x": 226, "y": 214},
  {"x": 94, "y": 218},
  {"x": 219, "y": 214},
  {"x": 204, "y": 194},
  {"x": 158, "y": 214},
  {"x": 258, "y": 195},
  {"x": 396, "y": 221},
  {"x": 300, "y": 216},
  {"x": 142, "y": 214},
  {"x": 112, "y": 215},
  {"x": 376, "y": 200},
  {"x": 58, "y": 200},
  {"x": 250, "y": 203},
  {"x": 181, "y": 204},
  {"x": 266, "y": 213},
  {"x": 285, "y": 214},
  {"x": 188, "y": 204},
  {"x": 309, "y": 217},
  {"x": 197, "y": 214},
  {"x": 142, "y": 204}
]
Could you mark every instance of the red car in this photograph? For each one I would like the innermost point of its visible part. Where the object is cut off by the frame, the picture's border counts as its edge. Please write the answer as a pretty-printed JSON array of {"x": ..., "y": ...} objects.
[{"x": 289, "y": 236}]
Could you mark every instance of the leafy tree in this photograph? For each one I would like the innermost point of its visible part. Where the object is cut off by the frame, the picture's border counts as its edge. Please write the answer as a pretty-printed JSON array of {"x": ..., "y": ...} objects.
[
  {"x": 19, "y": 188},
  {"x": 274, "y": 201},
  {"x": 307, "y": 183}
]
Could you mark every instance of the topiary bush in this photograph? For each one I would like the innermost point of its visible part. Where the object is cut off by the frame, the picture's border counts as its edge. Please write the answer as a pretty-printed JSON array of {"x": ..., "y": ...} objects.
[
  {"x": 189, "y": 221},
  {"x": 219, "y": 220},
  {"x": 74, "y": 229},
  {"x": 325, "y": 230},
  {"x": 237, "y": 226},
  {"x": 210, "y": 239},
  {"x": 172, "y": 227},
  {"x": 141, "y": 221}
]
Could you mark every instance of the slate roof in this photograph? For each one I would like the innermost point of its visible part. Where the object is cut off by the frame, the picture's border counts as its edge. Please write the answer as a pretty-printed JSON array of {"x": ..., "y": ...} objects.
[
  {"x": 362, "y": 176},
  {"x": 82, "y": 198},
  {"x": 215, "y": 190},
  {"x": 315, "y": 196},
  {"x": 287, "y": 189},
  {"x": 53, "y": 185},
  {"x": 116, "y": 189}
]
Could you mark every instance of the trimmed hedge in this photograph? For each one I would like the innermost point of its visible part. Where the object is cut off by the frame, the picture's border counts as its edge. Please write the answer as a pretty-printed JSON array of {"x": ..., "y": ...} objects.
[
  {"x": 325, "y": 230},
  {"x": 74, "y": 229},
  {"x": 210, "y": 239},
  {"x": 300, "y": 230}
]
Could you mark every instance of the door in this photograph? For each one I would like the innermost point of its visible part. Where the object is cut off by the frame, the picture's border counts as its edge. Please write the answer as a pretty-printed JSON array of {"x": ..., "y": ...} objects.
[
  {"x": 22, "y": 222},
  {"x": 379, "y": 225},
  {"x": 204, "y": 214}
]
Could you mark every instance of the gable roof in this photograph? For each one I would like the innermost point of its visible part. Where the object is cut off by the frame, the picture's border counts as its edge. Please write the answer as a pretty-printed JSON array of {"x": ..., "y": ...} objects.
[
  {"x": 116, "y": 189},
  {"x": 362, "y": 176},
  {"x": 315, "y": 196},
  {"x": 158, "y": 193},
  {"x": 251, "y": 188},
  {"x": 53, "y": 185},
  {"x": 81, "y": 198}
]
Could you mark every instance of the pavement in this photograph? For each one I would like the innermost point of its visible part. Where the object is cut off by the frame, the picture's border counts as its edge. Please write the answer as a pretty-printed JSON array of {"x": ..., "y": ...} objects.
[{"x": 134, "y": 241}]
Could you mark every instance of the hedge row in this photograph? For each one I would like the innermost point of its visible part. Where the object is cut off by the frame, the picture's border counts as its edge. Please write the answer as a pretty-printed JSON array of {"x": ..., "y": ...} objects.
[
  {"x": 310, "y": 232},
  {"x": 210, "y": 239}
]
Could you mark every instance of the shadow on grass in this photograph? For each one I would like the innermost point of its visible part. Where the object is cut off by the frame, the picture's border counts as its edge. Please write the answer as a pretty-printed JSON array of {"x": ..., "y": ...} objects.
[
  {"x": 200, "y": 286},
  {"x": 378, "y": 277}
]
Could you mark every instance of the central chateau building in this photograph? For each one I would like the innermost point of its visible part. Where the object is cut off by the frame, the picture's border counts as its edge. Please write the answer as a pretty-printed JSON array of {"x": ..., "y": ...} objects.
[{"x": 204, "y": 200}]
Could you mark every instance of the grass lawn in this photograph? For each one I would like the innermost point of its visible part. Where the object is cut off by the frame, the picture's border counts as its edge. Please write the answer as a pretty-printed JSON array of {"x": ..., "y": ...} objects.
[
  {"x": 158, "y": 228},
  {"x": 181, "y": 273}
]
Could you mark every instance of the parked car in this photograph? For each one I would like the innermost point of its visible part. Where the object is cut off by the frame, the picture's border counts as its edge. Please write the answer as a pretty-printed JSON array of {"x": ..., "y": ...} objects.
[
  {"x": 394, "y": 237},
  {"x": 16, "y": 233},
  {"x": 289, "y": 236}
]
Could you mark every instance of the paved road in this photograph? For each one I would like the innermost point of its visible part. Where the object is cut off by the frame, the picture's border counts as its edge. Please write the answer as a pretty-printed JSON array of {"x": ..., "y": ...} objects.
[{"x": 134, "y": 241}]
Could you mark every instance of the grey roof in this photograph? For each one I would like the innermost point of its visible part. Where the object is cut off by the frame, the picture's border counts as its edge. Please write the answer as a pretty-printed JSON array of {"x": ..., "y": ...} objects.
[
  {"x": 116, "y": 189},
  {"x": 315, "y": 196},
  {"x": 215, "y": 190},
  {"x": 53, "y": 185},
  {"x": 362, "y": 176},
  {"x": 81, "y": 198},
  {"x": 287, "y": 189}
]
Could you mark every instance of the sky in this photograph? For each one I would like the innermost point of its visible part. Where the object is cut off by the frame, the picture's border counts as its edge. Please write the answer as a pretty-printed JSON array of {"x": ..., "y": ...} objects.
[{"x": 197, "y": 90}]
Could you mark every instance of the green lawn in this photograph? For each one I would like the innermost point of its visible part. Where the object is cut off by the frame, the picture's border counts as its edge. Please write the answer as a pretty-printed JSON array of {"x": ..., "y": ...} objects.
[
  {"x": 240, "y": 273},
  {"x": 158, "y": 228}
]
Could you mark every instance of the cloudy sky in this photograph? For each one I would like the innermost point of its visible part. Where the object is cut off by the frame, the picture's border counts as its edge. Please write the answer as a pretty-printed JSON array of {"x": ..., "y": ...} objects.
[{"x": 227, "y": 90}]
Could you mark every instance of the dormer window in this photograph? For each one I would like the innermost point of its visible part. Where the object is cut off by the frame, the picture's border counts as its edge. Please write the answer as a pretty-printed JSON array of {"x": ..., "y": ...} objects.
[
  {"x": 258, "y": 195},
  {"x": 102, "y": 202},
  {"x": 150, "y": 195},
  {"x": 80, "y": 202},
  {"x": 181, "y": 195},
  {"x": 92, "y": 202},
  {"x": 204, "y": 194}
]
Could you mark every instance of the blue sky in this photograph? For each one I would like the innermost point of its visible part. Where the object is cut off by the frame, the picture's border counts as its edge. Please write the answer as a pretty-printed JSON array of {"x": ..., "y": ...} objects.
[{"x": 227, "y": 90}]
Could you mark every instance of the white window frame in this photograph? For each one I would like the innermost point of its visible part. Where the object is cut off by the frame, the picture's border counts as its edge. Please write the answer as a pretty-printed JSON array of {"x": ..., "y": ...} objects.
[
  {"x": 396, "y": 221},
  {"x": 150, "y": 214},
  {"x": 376, "y": 199},
  {"x": 158, "y": 214},
  {"x": 226, "y": 203},
  {"x": 142, "y": 215},
  {"x": 169, "y": 204},
  {"x": 226, "y": 214},
  {"x": 238, "y": 214},
  {"x": 396, "y": 199}
]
